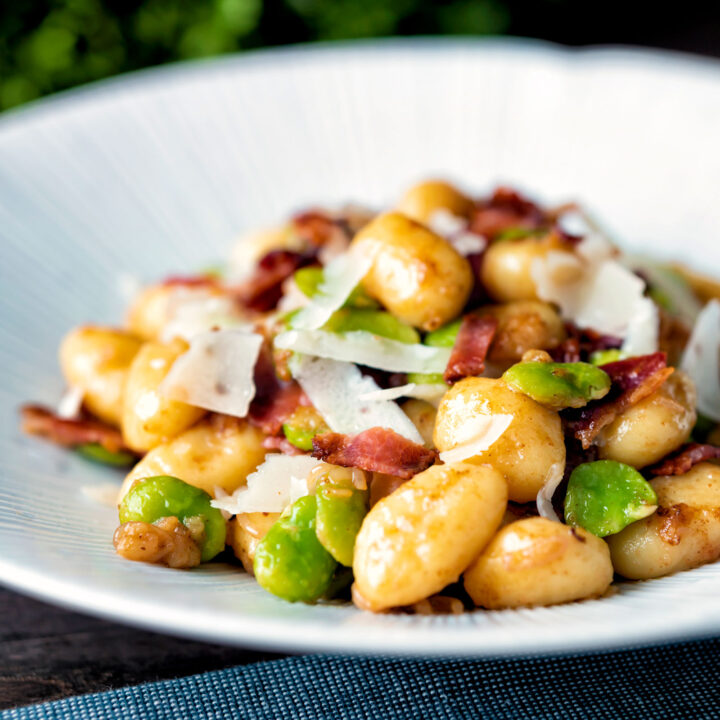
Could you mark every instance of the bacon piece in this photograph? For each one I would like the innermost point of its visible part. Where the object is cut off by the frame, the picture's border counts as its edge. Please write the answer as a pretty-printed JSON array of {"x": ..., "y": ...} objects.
[
  {"x": 275, "y": 401},
  {"x": 679, "y": 462},
  {"x": 40, "y": 421},
  {"x": 581, "y": 343},
  {"x": 375, "y": 450},
  {"x": 203, "y": 280},
  {"x": 478, "y": 294},
  {"x": 632, "y": 380},
  {"x": 263, "y": 289},
  {"x": 315, "y": 227},
  {"x": 506, "y": 209},
  {"x": 271, "y": 411},
  {"x": 471, "y": 346},
  {"x": 567, "y": 351}
]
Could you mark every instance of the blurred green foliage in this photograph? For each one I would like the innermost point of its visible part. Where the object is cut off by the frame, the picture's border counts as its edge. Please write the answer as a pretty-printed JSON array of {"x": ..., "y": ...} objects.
[{"x": 49, "y": 45}]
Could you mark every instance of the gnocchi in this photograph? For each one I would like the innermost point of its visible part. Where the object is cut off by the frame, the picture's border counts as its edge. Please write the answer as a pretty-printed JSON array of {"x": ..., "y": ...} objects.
[
  {"x": 526, "y": 453},
  {"x": 417, "y": 275},
  {"x": 421, "y": 537},
  {"x": 449, "y": 404}
]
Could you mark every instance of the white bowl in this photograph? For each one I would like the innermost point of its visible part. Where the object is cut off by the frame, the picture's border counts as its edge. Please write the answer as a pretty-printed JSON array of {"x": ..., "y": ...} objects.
[{"x": 157, "y": 172}]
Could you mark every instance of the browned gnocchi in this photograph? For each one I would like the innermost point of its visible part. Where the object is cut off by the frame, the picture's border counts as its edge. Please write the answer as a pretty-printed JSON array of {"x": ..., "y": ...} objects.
[{"x": 449, "y": 404}]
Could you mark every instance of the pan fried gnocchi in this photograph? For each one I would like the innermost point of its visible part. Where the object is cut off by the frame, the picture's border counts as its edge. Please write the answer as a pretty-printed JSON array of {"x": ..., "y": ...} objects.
[{"x": 455, "y": 403}]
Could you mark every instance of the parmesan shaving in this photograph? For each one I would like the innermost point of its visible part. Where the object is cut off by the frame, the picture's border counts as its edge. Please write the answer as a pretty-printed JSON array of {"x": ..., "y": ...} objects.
[
  {"x": 643, "y": 331},
  {"x": 216, "y": 373},
  {"x": 432, "y": 392},
  {"x": 454, "y": 230},
  {"x": 468, "y": 243},
  {"x": 594, "y": 291},
  {"x": 701, "y": 360},
  {"x": 476, "y": 436},
  {"x": 293, "y": 298},
  {"x": 365, "y": 348},
  {"x": 276, "y": 483},
  {"x": 336, "y": 390},
  {"x": 446, "y": 224},
  {"x": 553, "y": 478},
  {"x": 192, "y": 312},
  {"x": 71, "y": 403},
  {"x": 340, "y": 277}
]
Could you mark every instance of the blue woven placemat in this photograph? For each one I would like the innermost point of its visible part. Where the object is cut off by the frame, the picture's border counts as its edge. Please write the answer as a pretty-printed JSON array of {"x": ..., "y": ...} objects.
[{"x": 673, "y": 681}]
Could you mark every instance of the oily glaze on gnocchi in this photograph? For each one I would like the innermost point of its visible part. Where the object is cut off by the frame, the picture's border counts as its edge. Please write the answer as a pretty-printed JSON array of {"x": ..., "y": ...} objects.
[
  {"x": 448, "y": 404},
  {"x": 525, "y": 453},
  {"x": 419, "y": 539},
  {"x": 683, "y": 533}
]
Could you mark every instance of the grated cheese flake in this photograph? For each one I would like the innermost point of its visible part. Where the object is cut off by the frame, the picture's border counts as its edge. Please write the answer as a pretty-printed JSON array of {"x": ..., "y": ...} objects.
[
  {"x": 701, "y": 360},
  {"x": 365, "y": 348},
  {"x": 336, "y": 390},
  {"x": 216, "y": 372},
  {"x": 276, "y": 483},
  {"x": 476, "y": 436},
  {"x": 340, "y": 277}
]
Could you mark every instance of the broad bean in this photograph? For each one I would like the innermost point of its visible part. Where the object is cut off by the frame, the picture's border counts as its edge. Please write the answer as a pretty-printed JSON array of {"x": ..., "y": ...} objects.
[
  {"x": 290, "y": 561},
  {"x": 164, "y": 496}
]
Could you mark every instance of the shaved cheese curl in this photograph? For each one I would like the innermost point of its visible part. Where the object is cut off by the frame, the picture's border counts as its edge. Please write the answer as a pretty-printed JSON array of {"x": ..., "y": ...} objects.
[
  {"x": 364, "y": 348},
  {"x": 336, "y": 390},
  {"x": 701, "y": 360},
  {"x": 216, "y": 373},
  {"x": 478, "y": 435},
  {"x": 279, "y": 481},
  {"x": 70, "y": 403},
  {"x": 553, "y": 478},
  {"x": 340, "y": 277},
  {"x": 597, "y": 292},
  {"x": 431, "y": 392}
]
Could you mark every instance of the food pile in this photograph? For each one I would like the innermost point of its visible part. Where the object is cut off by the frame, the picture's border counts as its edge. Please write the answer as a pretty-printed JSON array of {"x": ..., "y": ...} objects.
[{"x": 456, "y": 403}]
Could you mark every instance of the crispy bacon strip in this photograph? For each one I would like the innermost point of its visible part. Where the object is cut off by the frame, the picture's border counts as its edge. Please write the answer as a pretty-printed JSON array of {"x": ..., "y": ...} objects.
[
  {"x": 505, "y": 209},
  {"x": 271, "y": 411},
  {"x": 375, "y": 450},
  {"x": 274, "y": 399},
  {"x": 263, "y": 290},
  {"x": 205, "y": 280},
  {"x": 632, "y": 380},
  {"x": 679, "y": 462},
  {"x": 471, "y": 347},
  {"x": 40, "y": 421},
  {"x": 314, "y": 226},
  {"x": 581, "y": 343}
]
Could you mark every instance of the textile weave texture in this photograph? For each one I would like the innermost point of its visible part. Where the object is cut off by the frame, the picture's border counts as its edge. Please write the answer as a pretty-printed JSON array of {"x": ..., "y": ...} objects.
[{"x": 671, "y": 681}]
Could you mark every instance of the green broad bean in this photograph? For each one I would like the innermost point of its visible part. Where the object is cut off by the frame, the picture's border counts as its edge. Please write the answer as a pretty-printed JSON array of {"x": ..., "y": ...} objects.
[
  {"x": 603, "y": 357},
  {"x": 165, "y": 496},
  {"x": 518, "y": 233},
  {"x": 97, "y": 453},
  {"x": 426, "y": 378},
  {"x": 302, "y": 426},
  {"x": 605, "y": 496},
  {"x": 377, "y": 322},
  {"x": 444, "y": 336},
  {"x": 309, "y": 279},
  {"x": 290, "y": 561},
  {"x": 558, "y": 385},
  {"x": 341, "y": 508}
]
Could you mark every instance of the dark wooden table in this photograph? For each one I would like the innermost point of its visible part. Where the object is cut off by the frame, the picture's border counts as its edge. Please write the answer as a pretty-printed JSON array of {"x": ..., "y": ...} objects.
[{"x": 47, "y": 653}]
